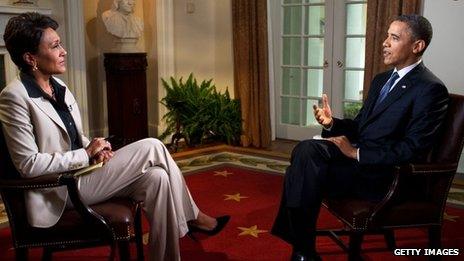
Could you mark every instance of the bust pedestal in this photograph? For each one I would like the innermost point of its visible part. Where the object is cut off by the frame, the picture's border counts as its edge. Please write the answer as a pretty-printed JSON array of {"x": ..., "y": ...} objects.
[
  {"x": 126, "y": 45},
  {"x": 126, "y": 88}
]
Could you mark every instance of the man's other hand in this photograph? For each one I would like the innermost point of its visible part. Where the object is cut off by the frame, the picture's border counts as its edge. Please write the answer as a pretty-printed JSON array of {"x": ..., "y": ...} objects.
[
  {"x": 345, "y": 146},
  {"x": 323, "y": 115}
]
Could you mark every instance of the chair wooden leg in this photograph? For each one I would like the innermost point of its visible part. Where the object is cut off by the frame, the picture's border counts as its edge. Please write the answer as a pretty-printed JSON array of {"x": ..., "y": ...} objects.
[
  {"x": 435, "y": 237},
  {"x": 21, "y": 254},
  {"x": 389, "y": 236},
  {"x": 113, "y": 248},
  {"x": 139, "y": 234},
  {"x": 124, "y": 253},
  {"x": 47, "y": 254},
  {"x": 435, "y": 240},
  {"x": 354, "y": 253}
]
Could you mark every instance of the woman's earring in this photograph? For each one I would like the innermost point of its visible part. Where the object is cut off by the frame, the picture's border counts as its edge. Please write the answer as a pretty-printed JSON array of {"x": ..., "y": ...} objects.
[{"x": 34, "y": 67}]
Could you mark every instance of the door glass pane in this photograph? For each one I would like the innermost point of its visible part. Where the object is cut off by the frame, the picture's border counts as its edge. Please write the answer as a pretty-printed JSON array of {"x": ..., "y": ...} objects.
[
  {"x": 312, "y": 82},
  {"x": 291, "y": 50},
  {"x": 313, "y": 52},
  {"x": 290, "y": 111},
  {"x": 292, "y": 19},
  {"x": 354, "y": 85},
  {"x": 314, "y": 1},
  {"x": 314, "y": 20},
  {"x": 308, "y": 115},
  {"x": 356, "y": 15},
  {"x": 292, "y": 1},
  {"x": 291, "y": 81},
  {"x": 355, "y": 52}
]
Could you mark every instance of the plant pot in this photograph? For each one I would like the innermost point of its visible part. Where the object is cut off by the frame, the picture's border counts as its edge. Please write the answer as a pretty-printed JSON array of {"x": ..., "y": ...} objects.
[{"x": 194, "y": 139}]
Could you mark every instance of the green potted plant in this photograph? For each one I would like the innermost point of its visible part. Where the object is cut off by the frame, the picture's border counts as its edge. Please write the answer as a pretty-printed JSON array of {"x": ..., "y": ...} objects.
[
  {"x": 199, "y": 111},
  {"x": 351, "y": 109}
]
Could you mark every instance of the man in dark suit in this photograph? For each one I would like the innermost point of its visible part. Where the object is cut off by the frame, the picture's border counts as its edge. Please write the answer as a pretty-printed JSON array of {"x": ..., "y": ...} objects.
[{"x": 397, "y": 124}]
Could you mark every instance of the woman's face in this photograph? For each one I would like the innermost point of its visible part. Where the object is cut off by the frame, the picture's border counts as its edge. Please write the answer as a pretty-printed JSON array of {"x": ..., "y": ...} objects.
[{"x": 51, "y": 55}]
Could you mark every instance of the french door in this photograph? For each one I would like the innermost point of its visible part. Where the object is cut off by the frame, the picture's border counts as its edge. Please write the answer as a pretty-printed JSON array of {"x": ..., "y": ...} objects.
[{"x": 318, "y": 48}]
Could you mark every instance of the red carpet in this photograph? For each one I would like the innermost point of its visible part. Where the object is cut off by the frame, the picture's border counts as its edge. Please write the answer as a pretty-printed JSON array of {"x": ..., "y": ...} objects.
[{"x": 257, "y": 205}]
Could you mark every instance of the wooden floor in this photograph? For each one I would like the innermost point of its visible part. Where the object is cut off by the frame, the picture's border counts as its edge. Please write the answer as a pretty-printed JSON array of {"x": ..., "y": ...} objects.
[{"x": 283, "y": 146}]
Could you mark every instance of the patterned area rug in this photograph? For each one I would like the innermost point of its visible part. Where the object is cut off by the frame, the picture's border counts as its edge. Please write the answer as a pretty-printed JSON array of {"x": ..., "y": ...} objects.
[
  {"x": 248, "y": 188},
  {"x": 259, "y": 162},
  {"x": 251, "y": 196},
  {"x": 255, "y": 162},
  {"x": 456, "y": 196}
]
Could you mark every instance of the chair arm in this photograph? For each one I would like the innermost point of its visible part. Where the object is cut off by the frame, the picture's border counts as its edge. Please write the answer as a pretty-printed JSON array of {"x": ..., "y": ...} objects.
[
  {"x": 86, "y": 212},
  {"x": 45, "y": 181},
  {"x": 56, "y": 180},
  {"x": 408, "y": 170},
  {"x": 427, "y": 169}
]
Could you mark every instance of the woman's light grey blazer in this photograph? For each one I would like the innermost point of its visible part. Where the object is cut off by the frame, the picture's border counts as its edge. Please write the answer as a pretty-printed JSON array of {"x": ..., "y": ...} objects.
[{"x": 39, "y": 144}]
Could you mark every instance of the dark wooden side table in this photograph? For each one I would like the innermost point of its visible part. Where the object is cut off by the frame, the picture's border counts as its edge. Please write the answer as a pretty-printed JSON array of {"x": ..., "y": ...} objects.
[{"x": 126, "y": 88}]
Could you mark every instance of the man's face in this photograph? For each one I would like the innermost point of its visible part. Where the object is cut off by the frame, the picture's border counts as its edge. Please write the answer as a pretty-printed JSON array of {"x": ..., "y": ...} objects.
[
  {"x": 399, "y": 48},
  {"x": 126, "y": 6}
]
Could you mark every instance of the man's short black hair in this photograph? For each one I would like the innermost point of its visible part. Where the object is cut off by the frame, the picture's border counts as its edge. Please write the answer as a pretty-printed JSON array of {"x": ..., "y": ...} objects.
[
  {"x": 23, "y": 34},
  {"x": 421, "y": 29}
]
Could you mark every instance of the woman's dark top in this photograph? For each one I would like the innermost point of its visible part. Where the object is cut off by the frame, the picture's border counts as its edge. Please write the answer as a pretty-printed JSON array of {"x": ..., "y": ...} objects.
[{"x": 63, "y": 110}]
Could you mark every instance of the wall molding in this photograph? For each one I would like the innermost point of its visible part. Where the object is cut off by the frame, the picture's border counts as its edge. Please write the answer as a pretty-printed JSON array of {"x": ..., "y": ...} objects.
[
  {"x": 19, "y": 9},
  {"x": 75, "y": 36},
  {"x": 6, "y": 12},
  {"x": 165, "y": 52},
  {"x": 272, "y": 108}
]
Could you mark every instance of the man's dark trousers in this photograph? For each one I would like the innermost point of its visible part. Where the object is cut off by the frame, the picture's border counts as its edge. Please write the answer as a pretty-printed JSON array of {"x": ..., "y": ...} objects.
[
  {"x": 400, "y": 130},
  {"x": 318, "y": 169}
]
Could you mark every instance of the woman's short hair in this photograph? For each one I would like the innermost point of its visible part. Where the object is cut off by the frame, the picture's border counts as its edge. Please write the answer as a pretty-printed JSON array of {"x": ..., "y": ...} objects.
[{"x": 23, "y": 34}]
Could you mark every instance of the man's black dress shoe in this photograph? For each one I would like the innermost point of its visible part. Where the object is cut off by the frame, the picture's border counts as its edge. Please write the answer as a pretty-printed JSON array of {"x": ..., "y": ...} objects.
[
  {"x": 299, "y": 256},
  {"x": 221, "y": 223}
]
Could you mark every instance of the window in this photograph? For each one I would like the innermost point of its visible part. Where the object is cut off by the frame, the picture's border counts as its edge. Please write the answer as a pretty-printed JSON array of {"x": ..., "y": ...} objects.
[{"x": 318, "y": 48}]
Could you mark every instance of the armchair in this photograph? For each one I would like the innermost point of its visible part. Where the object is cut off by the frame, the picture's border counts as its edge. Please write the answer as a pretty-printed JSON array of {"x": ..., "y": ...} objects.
[
  {"x": 404, "y": 207},
  {"x": 115, "y": 222}
]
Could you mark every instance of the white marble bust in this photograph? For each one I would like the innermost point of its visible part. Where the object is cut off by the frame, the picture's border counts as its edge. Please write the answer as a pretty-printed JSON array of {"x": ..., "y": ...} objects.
[{"x": 120, "y": 20}]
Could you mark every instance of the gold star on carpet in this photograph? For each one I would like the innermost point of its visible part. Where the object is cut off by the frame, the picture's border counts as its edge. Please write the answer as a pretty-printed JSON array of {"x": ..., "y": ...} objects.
[
  {"x": 224, "y": 173},
  {"x": 235, "y": 197},
  {"x": 251, "y": 231},
  {"x": 449, "y": 217}
]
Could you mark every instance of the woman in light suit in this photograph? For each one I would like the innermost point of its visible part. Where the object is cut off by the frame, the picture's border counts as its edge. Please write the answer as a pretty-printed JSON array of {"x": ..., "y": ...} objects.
[{"x": 43, "y": 131}]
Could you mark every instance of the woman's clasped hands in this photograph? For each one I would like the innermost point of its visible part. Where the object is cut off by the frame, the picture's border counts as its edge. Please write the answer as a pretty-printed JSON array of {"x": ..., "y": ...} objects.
[{"x": 99, "y": 150}]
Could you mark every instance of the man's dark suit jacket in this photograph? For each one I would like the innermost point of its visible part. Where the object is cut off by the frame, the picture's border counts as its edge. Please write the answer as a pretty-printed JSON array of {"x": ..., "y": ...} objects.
[{"x": 401, "y": 128}]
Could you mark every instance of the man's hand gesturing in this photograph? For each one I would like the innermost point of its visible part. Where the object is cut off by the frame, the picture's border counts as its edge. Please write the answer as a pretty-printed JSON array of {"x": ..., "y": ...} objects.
[{"x": 323, "y": 115}]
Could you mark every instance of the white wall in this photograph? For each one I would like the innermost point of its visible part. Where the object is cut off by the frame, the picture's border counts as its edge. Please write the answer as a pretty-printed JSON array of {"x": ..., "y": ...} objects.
[
  {"x": 97, "y": 42},
  {"x": 203, "y": 41},
  {"x": 202, "y": 45},
  {"x": 445, "y": 55}
]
